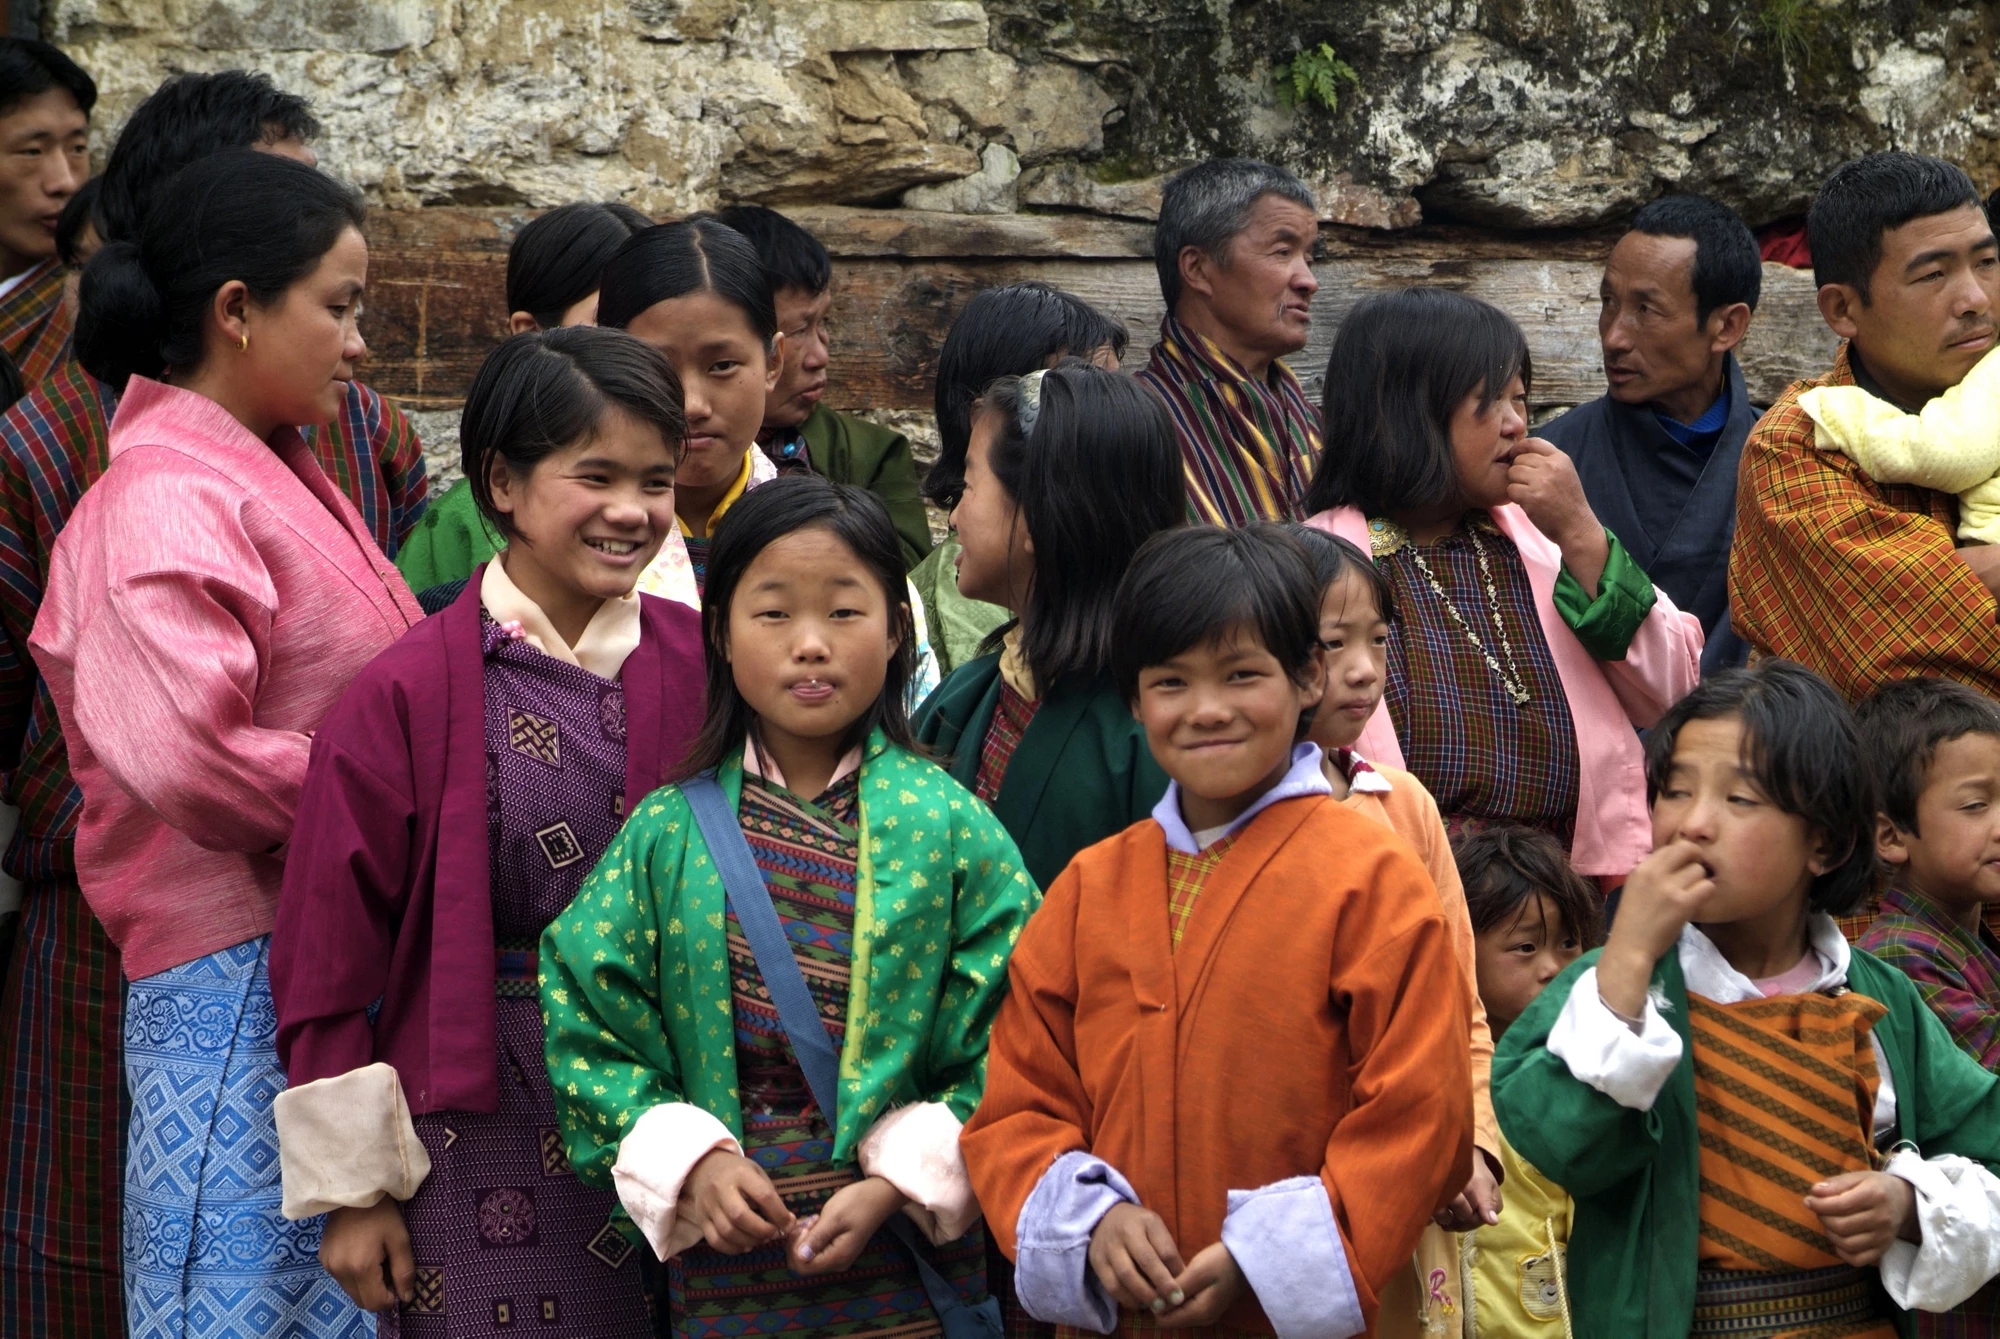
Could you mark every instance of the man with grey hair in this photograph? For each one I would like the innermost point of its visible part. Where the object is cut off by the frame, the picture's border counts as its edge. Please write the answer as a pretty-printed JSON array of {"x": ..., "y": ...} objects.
[{"x": 1234, "y": 252}]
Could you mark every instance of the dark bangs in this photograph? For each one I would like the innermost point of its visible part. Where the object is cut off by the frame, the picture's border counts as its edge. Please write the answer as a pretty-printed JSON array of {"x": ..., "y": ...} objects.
[
  {"x": 1400, "y": 366},
  {"x": 1801, "y": 747},
  {"x": 1194, "y": 586}
]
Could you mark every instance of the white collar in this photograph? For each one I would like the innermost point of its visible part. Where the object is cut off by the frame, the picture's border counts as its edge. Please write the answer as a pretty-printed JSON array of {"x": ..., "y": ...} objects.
[
  {"x": 1709, "y": 975},
  {"x": 611, "y": 635},
  {"x": 1304, "y": 777},
  {"x": 758, "y": 763}
]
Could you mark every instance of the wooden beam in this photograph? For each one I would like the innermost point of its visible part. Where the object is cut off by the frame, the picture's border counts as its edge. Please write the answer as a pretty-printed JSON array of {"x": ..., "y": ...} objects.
[{"x": 436, "y": 302}]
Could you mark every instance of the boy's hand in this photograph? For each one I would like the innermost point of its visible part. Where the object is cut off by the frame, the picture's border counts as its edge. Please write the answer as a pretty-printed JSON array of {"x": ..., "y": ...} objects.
[
  {"x": 1211, "y": 1283},
  {"x": 829, "y": 1241},
  {"x": 1666, "y": 892},
  {"x": 733, "y": 1203},
  {"x": 1134, "y": 1257},
  {"x": 367, "y": 1251},
  {"x": 1478, "y": 1205},
  {"x": 1863, "y": 1212}
]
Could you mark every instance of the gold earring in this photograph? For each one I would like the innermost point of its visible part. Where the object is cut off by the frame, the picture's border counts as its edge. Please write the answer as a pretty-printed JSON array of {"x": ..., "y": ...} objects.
[{"x": 243, "y": 343}]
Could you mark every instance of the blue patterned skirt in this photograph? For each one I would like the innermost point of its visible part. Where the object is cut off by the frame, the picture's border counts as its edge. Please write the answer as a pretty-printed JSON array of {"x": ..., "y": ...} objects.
[{"x": 208, "y": 1255}]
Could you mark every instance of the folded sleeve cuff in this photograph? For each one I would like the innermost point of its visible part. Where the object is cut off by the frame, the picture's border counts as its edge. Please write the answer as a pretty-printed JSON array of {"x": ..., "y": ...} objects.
[
  {"x": 1287, "y": 1243},
  {"x": 1625, "y": 595},
  {"x": 1052, "y": 1274},
  {"x": 1958, "y": 1206},
  {"x": 1602, "y": 1051},
  {"x": 345, "y": 1142},
  {"x": 915, "y": 1149},
  {"x": 654, "y": 1160}
]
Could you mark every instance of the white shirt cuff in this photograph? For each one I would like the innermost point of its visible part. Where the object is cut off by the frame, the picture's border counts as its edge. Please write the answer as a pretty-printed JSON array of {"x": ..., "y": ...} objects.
[
  {"x": 1602, "y": 1050},
  {"x": 1958, "y": 1207},
  {"x": 915, "y": 1149},
  {"x": 654, "y": 1160},
  {"x": 345, "y": 1142}
]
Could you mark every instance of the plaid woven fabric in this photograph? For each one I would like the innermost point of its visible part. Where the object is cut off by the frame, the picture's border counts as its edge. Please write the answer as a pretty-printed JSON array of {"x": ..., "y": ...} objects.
[
  {"x": 33, "y": 328},
  {"x": 54, "y": 443},
  {"x": 61, "y": 1123},
  {"x": 1484, "y": 758},
  {"x": 1010, "y": 721},
  {"x": 1956, "y": 970},
  {"x": 1249, "y": 445},
  {"x": 1187, "y": 875},
  {"x": 1854, "y": 579}
]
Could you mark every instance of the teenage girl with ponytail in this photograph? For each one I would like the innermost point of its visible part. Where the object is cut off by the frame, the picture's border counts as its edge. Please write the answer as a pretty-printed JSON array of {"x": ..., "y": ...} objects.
[{"x": 206, "y": 605}]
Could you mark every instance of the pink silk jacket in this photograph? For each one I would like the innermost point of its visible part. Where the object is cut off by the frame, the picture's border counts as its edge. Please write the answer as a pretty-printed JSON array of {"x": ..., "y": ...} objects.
[{"x": 207, "y": 603}]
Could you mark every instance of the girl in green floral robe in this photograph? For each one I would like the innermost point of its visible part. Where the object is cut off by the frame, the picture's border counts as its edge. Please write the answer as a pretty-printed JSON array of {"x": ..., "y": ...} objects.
[{"x": 901, "y": 896}]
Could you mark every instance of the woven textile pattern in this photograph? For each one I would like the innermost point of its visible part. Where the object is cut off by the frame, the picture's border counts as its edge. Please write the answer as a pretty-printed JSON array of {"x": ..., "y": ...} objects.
[
  {"x": 1484, "y": 758},
  {"x": 1249, "y": 445},
  {"x": 207, "y": 1253}
]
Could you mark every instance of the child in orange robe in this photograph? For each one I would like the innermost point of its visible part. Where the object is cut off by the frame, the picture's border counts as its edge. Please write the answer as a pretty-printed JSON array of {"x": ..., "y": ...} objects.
[{"x": 1230, "y": 1082}]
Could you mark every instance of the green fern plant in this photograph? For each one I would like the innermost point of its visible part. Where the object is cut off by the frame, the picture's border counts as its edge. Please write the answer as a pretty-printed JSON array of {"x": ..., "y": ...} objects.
[{"x": 1315, "y": 75}]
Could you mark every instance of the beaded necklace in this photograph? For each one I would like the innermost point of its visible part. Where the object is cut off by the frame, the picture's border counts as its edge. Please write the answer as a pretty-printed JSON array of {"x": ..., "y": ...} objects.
[{"x": 1386, "y": 537}]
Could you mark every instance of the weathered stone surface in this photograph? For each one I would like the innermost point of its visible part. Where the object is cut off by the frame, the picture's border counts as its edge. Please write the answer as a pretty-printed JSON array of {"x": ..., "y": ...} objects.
[
  {"x": 987, "y": 191},
  {"x": 1515, "y": 113}
]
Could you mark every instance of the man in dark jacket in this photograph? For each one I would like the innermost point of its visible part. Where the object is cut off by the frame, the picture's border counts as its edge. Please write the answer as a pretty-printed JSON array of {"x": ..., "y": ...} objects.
[{"x": 1657, "y": 452}]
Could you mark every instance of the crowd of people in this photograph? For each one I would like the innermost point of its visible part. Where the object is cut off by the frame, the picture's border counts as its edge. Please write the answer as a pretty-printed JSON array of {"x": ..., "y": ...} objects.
[{"x": 1375, "y": 866}]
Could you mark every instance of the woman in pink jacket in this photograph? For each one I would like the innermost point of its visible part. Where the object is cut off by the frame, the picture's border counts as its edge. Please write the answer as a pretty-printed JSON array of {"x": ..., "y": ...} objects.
[
  {"x": 207, "y": 603},
  {"x": 1529, "y": 648}
]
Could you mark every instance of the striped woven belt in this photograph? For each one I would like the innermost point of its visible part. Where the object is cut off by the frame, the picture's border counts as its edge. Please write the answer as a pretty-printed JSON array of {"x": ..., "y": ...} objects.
[
  {"x": 1747, "y": 1305},
  {"x": 516, "y": 963}
]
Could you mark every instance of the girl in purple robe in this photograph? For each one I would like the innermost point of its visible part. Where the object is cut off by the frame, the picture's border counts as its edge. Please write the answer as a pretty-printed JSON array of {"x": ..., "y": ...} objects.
[{"x": 455, "y": 800}]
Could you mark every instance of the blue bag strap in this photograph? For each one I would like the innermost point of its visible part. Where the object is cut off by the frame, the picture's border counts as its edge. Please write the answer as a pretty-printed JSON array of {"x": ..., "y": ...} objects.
[{"x": 750, "y": 899}]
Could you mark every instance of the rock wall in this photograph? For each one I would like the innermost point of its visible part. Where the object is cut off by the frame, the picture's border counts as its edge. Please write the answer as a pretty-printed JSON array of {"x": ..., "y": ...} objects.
[{"x": 1515, "y": 113}]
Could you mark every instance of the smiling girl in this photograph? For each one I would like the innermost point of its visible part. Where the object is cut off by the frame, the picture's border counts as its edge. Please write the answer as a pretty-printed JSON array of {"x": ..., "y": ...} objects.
[
  {"x": 457, "y": 796},
  {"x": 1529, "y": 643},
  {"x": 1765, "y": 1131},
  {"x": 900, "y": 897}
]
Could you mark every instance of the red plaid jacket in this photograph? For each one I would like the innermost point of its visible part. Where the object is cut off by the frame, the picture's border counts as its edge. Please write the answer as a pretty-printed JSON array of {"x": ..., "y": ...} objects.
[
  {"x": 34, "y": 329},
  {"x": 1860, "y": 581}
]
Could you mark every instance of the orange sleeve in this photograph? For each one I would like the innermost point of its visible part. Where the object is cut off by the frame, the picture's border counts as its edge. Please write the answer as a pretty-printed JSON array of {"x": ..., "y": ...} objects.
[
  {"x": 1405, "y": 1144},
  {"x": 1034, "y": 1109}
]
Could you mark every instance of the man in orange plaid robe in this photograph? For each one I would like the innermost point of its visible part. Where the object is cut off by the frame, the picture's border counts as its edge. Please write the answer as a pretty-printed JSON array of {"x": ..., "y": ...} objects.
[{"x": 1862, "y": 581}]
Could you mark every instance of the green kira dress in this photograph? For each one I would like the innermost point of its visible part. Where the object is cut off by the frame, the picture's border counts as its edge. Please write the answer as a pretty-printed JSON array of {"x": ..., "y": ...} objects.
[{"x": 902, "y": 898}]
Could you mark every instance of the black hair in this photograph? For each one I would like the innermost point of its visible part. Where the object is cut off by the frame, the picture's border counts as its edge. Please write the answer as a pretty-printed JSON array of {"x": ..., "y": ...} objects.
[
  {"x": 1334, "y": 557},
  {"x": 762, "y": 517},
  {"x": 1903, "y": 723},
  {"x": 1504, "y": 865},
  {"x": 78, "y": 212},
  {"x": 30, "y": 68},
  {"x": 544, "y": 391},
  {"x": 1004, "y": 332},
  {"x": 1194, "y": 586},
  {"x": 243, "y": 215},
  {"x": 1098, "y": 474},
  {"x": 556, "y": 258},
  {"x": 672, "y": 260},
  {"x": 1728, "y": 267},
  {"x": 184, "y": 120},
  {"x": 792, "y": 256},
  {"x": 1801, "y": 748},
  {"x": 1867, "y": 197},
  {"x": 1400, "y": 366}
]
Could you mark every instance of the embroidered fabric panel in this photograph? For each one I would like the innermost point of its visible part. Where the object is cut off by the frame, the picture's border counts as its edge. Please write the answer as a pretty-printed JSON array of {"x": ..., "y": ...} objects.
[
  {"x": 1484, "y": 758},
  {"x": 1784, "y": 1098},
  {"x": 809, "y": 853},
  {"x": 503, "y": 1232},
  {"x": 1011, "y": 718}
]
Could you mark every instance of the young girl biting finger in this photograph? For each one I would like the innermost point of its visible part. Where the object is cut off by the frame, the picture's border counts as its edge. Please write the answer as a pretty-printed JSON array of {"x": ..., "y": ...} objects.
[{"x": 1758, "y": 1123}]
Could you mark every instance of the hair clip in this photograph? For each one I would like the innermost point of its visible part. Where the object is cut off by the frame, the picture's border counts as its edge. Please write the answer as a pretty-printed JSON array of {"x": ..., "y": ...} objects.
[{"x": 1031, "y": 400}]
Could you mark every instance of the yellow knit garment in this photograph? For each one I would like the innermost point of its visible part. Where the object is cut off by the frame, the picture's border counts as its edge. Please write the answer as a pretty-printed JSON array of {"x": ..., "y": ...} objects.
[{"x": 1952, "y": 446}]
